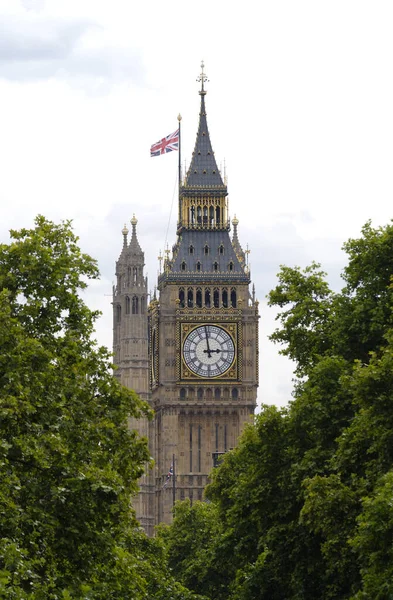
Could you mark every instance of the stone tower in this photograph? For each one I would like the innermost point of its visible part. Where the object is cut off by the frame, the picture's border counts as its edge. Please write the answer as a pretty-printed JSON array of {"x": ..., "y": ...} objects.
[
  {"x": 203, "y": 335},
  {"x": 130, "y": 348}
]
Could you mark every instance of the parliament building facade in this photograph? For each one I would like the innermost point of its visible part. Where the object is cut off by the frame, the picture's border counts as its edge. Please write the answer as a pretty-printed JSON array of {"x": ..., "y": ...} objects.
[{"x": 191, "y": 351}]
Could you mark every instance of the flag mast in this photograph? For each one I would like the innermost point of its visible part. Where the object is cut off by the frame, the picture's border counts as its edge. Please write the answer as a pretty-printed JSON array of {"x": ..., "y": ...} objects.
[{"x": 179, "y": 119}]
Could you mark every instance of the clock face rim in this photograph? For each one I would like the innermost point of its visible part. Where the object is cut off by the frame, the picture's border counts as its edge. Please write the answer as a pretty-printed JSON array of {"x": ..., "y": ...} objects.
[{"x": 214, "y": 344}]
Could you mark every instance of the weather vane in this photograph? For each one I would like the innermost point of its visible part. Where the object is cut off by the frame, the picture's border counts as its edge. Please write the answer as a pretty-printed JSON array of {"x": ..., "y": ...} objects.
[{"x": 202, "y": 78}]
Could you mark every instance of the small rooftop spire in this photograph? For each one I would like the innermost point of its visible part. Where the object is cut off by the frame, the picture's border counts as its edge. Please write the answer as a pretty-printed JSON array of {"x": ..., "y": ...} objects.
[
  {"x": 202, "y": 79},
  {"x": 134, "y": 244},
  {"x": 125, "y": 234}
]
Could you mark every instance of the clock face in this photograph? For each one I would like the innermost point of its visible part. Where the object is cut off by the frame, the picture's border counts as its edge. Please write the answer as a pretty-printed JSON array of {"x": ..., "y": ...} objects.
[{"x": 208, "y": 351}]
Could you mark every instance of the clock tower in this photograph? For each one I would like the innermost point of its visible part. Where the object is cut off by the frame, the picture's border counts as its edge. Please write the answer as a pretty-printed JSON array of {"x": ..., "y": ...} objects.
[{"x": 203, "y": 335}]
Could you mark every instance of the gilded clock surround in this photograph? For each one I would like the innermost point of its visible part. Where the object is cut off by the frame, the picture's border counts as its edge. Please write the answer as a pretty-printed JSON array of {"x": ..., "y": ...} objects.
[{"x": 186, "y": 374}]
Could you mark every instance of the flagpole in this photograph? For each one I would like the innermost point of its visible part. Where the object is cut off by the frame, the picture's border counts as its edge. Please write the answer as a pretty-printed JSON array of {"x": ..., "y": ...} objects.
[
  {"x": 173, "y": 482},
  {"x": 179, "y": 119}
]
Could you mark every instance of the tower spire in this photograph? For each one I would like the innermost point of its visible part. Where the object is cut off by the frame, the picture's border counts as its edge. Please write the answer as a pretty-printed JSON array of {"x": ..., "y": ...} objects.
[{"x": 202, "y": 78}]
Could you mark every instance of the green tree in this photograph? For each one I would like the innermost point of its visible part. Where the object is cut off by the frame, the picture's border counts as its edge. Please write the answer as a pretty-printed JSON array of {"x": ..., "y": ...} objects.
[
  {"x": 69, "y": 464},
  {"x": 304, "y": 502}
]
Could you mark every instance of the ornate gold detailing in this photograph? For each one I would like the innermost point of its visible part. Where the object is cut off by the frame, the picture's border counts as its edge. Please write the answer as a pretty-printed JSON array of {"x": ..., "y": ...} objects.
[
  {"x": 233, "y": 329},
  {"x": 202, "y": 78}
]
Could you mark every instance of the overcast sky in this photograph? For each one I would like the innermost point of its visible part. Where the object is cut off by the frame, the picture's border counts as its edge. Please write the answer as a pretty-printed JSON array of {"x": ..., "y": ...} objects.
[{"x": 299, "y": 107}]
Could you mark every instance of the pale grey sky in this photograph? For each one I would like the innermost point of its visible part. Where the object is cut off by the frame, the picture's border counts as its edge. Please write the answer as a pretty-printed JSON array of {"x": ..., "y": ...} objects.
[{"x": 299, "y": 108}]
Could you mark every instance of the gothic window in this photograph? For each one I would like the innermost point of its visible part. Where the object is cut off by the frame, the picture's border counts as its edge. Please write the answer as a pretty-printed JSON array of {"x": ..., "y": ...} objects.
[
  {"x": 215, "y": 266},
  {"x": 217, "y": 393},
  {"x": 183, "y": 266},
  {"x": 128, "y": 305},
  {"x": 190, "y": 298},
  {"x": 129, "y": 276},
  {"x": 191, "y": 249},
  {"x": 181, "y": 297},
  {"x": 182, "y": 394},
  {"x": 198, "y": 266},
  {"x": 217, "y": 215},
  {"x": 200, "y": 393},
  {"x": 207, "y": 298},
  {"x": 199, "y": 298},
  {"x": 231, "y": 266},
  {"x": 206, "y": 249},
  {"x": 134, "y": 274},
  {"x": 221, "y": 249},
  {"x": 134, "y": 305},
  {"x": 235, "y": 393},
  {"x": 192, "y": 211},
  {"x": 191, "y": 392},
  {"x": 233, "y": 298},
  {"x": 205, "y": 215},
  {"x": 143, "y": 305},
  {"x": 211, "y": 216},
  {"x": 216, "y": 298},
  {"x": 209, "y": 394},
  {"x": 199, "y": 215},
  {"x": 118, "y": 313},
  {"x": 225, "y": 298},
  {"x": 226, "y": 393}
]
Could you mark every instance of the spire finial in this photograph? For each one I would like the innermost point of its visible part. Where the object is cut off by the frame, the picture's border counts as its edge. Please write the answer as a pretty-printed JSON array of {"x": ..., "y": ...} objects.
[
  {"x": 133, "y": 222},
  {"x": 125, "y": 234},
  {"x": 202, "y": 78}
]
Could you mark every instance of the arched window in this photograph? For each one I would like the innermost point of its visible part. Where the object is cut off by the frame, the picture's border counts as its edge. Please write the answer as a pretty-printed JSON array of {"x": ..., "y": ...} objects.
[
  {"x": 181, "y": 297},
  {"x": 207, "y": 298},
  {"x": 215, "y": 266},
  {"x": 129, "y": 276},
  {"x": 221, "y": 249},
  {"x": 143, "y": 305},
  {"x": 217, "y": 215},
  {"x": 128, "y": 305},
  {"x": 235, "y": 393},
  {"x": 217, "y": 393},
  {"x": 182, "y": 394},
  {"x": 191, "y": 249},
  {"x": 190, "y": 298},
  {"x": 209, "y": 394},
  {"x": 200, "y": 393},
  {"x": 199, "y": 298},
  {"x": 230, "y": 266},
  {"x": 225, "y": 298},
  {"x": 233, "y": 298},
  {"x": 216, "y": 298},
  {"x": 211, "y": 216},
  {"x": 206, "y": 249},
  {"x": 183, "y": 266},
  {"x": 199, "y": 215},
  {"x": 198, "y": 266},
  {"x": 118, "y": 313},
  {"x": 134, "y": 274},
  {"x": 226, "y": 393},
  {"x": 205, "y": 215},
  {"x": 134, "y": 305}
]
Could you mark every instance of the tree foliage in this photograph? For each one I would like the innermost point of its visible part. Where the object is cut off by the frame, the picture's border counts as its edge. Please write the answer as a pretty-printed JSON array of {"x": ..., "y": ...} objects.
[
  {"x": 69, "y": 464},
  {"x": 304, "y": 503}
]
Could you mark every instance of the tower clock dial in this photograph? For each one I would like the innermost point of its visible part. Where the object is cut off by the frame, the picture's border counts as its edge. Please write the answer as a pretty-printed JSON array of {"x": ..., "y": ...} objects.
[{"x": 209, "y": 351}]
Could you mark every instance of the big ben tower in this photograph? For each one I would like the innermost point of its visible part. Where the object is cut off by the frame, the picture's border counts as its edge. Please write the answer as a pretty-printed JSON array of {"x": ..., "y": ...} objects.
[{"x": 203, "y": 358}]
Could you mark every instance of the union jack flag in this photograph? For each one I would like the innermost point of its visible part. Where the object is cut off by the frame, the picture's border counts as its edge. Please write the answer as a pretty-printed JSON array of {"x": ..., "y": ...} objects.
[
  {"x": 167, "y": 144},
  {"x": 169, "y": 475}
]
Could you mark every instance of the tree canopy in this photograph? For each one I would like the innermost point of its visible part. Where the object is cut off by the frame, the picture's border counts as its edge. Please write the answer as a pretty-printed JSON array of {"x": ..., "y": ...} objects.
[
  {"x": 69, "y": 463},
  {"x": 302, "y": 507}
]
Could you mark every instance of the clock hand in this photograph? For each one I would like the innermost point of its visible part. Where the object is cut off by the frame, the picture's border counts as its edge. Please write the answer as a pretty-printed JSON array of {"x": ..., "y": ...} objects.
[{"x": 207, "y": 343}]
